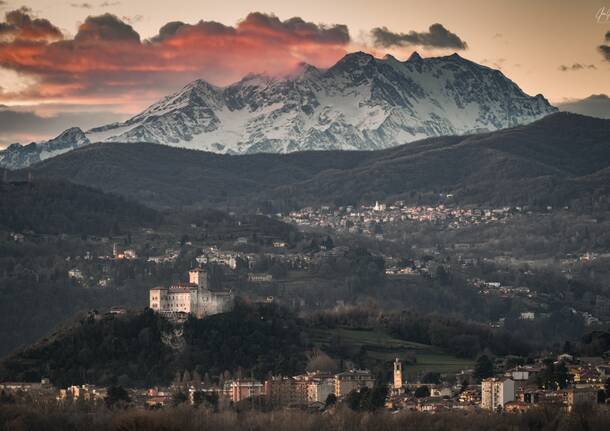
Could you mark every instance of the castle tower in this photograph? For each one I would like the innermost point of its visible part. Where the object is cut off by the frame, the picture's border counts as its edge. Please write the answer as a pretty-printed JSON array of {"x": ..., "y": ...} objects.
[
  {"x": 397, "y": 374},
  {"x": 199, "y": 277}
]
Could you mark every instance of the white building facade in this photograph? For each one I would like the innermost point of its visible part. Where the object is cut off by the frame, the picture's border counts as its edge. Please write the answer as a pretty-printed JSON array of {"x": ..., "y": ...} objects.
[
  {"x": 496, "y": 392},
  {"x": 193, "y": 297}
]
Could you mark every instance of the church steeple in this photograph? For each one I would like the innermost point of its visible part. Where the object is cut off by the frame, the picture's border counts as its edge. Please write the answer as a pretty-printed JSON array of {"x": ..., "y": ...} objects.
[{"x": 398, "y": 382}]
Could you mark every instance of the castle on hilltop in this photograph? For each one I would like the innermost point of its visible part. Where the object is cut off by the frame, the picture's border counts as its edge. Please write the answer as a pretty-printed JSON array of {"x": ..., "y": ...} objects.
[{"x": 194, "y": 297}]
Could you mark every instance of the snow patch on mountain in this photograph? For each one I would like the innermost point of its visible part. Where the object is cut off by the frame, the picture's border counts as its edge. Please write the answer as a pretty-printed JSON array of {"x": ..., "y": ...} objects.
[{"x": 18, "y": 156}]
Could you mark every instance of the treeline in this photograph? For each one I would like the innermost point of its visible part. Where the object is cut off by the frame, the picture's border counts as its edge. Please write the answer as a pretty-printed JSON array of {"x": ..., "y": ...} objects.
[
  {"x": 184, "y": 418},
  {"x": 56, "y": 207}
]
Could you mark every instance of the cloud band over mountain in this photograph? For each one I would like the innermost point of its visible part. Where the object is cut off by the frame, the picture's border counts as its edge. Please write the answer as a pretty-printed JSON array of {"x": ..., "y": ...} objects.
[
  {"x": 107, "y": 57},
  {"x": 108, "y": 62}
]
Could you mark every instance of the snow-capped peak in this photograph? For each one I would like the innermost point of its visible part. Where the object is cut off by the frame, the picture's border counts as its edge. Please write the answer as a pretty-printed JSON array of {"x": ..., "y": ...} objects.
[{"x": 361, "y": 102}]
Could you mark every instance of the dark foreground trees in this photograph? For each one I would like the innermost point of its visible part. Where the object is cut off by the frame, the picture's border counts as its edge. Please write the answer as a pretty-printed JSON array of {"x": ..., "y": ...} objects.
[
  {"x": 188, "y": 418},
  {"x": 367, "y": 399}
]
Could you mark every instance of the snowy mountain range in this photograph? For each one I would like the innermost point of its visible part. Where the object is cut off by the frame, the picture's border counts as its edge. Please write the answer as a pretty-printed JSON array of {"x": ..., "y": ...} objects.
[{"x": 360, "y": 103}]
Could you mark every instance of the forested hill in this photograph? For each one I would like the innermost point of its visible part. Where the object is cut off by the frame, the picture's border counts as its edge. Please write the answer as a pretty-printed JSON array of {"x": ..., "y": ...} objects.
[
  {"x": 254, "y": 339},
  {"x": 138, "y": 348},
  {"x": 562, "y": 159},
  {"x": 51, "y": 206}
]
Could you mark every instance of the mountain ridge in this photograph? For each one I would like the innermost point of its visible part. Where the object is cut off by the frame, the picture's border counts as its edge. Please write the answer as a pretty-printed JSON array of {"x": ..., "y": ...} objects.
[{"x": 359, "y": 103}]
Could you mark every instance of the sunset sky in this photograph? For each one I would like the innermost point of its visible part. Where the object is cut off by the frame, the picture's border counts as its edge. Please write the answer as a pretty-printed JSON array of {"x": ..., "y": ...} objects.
[{"x": 85, "y": 63}]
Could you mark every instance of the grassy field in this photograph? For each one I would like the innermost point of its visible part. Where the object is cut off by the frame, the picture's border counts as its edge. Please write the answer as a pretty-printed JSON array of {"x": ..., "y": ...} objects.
[{"x": 382, "y": 347}]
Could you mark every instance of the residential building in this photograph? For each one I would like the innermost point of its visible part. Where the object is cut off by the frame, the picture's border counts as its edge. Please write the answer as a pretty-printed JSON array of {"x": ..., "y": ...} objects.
[
  {"x": 319, "y": 390},
  {"x": 348, "y": 381},
  {"x": 242, "y": 389},
  {"x": 82, "y": 393},
  {"x": 76, "y": 274},
  {"x": 580, "y": 396},
  {"x": 286, "y": 391},
  {"x": 495, "y": 392}
]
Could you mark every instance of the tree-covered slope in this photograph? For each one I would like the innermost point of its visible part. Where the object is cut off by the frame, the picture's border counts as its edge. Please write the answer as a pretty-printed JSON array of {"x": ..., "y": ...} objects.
[
  {"x": 144, "y": 349},
  {"x": 50, "y": 206},
  {"x": 554, "y": 161}
]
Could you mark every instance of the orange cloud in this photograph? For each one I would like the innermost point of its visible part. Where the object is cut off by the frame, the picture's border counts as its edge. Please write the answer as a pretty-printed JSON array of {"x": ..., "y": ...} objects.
[{"x": 106, "y": 58}]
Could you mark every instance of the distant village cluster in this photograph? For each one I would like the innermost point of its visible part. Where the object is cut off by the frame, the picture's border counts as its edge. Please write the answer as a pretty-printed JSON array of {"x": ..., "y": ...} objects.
[
  {"x": 514, "y": 390},
  {"x": 369, "y": 219},
  {"x": 601, "y": 304}
]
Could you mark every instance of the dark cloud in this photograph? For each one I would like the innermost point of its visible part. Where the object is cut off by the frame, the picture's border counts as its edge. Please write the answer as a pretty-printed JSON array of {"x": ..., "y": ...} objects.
[
  {"x": 437, "y": 37},
  {"x": 82, "y": 5},
  {"x": 20, "y": 25},
  {"x": 260, "y": 25},
  {"x": 297, "y": 27},
  {"x": 175, "y": 29},
  {"x": 605, "y": 51},
  {"x": 576, "y": 67},
  {"x": 168, "y": 30},
  {"x": 106, "y": 27}
]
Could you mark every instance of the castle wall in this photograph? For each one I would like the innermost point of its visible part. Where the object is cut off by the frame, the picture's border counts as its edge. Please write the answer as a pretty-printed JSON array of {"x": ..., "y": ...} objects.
[{"x": 210, "y": 303}]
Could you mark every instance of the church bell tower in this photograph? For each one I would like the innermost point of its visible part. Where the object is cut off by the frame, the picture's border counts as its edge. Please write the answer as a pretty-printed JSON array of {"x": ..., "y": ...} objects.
[{"x": 398, "y": 382}]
